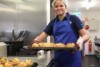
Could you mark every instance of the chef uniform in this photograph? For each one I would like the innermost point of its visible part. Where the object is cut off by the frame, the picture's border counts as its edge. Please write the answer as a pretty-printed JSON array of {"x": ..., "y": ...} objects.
[{"x": 65, "y": 31}]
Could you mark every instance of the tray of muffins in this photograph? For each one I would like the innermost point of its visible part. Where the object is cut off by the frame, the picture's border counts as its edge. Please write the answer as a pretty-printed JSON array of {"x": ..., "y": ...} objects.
[
  {"x": 55, "y": 46},
  {"x": 15, "y": 62}
]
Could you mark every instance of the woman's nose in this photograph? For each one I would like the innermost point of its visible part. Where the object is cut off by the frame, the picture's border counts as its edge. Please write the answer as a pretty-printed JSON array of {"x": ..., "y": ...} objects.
[{"x": 59, "y": 8}]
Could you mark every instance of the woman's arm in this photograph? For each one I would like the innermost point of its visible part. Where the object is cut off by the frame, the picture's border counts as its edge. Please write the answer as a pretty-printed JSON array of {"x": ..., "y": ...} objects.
[
  {"x": 84, "y": 38},
  {"x": 84, "y": 35},
  {"x": 41, "y": 37}
]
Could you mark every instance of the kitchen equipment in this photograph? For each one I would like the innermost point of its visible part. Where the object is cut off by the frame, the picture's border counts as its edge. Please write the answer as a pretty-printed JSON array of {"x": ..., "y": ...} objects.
[
  {"x": 22, "y": 35},
  {"x": 3, "y": 49},
  {"x": 40, "y": 54}
]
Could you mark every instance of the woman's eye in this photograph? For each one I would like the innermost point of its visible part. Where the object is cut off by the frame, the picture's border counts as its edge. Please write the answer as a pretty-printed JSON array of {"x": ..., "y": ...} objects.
[
  {"x": 61, "y": 5},
  {"x": 56, "y": 6}
]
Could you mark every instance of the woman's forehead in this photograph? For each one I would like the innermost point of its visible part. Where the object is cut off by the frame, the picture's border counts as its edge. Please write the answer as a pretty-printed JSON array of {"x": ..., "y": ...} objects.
[{"x": 59, "y": 2}]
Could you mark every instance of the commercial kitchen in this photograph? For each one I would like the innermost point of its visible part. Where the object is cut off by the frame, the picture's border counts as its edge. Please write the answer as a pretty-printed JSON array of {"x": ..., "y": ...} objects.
[{"x": 22, "y": 20}]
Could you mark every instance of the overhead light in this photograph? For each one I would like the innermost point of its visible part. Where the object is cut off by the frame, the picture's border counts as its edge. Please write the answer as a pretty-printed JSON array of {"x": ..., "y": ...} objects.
[{"x": 88, "y": 4}]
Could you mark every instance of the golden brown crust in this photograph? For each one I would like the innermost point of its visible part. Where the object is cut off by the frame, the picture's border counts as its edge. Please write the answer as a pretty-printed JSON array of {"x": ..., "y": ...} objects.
[
  {"x": 70, "y": 45},
  {"x": 15, "y": 63},
  {"x": 35, "y": 45},
  {"x": 45, "y": 44}
]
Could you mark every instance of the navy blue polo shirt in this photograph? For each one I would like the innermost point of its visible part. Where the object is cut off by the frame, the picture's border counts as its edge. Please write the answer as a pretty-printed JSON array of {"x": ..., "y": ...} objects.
[{"x": 76, "y": 24}]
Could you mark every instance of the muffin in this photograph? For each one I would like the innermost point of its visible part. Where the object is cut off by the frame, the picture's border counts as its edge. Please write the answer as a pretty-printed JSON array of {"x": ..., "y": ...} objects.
[
  {"x": 22, "y": 64},
  {"x": 70, "y": 45},
  {"x": 60, "y": 45},
  {"x": 15, "y": 61},
  {"x": 3, "y": 60},
  {"x": 29, "y": 63},
  {"x": 8, "y": 65},
  {"x": 1, "y": 65},
  {"x": 35, "y": 45}
]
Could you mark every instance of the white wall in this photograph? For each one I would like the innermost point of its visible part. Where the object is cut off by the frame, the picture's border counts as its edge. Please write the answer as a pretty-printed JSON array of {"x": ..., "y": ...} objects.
[{"x": 91, "y": 15}]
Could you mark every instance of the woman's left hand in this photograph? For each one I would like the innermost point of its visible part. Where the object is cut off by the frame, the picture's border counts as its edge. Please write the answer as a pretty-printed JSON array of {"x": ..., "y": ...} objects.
[{"x": 80, "y": 43}]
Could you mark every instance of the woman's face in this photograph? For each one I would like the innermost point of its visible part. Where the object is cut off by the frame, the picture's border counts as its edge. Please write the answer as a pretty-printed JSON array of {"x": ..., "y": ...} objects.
[{"x": 60, "y": 8}]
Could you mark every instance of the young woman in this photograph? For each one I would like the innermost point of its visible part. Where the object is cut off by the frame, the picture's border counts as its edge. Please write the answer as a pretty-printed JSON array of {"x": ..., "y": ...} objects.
[{"x": 65, "y": 28}]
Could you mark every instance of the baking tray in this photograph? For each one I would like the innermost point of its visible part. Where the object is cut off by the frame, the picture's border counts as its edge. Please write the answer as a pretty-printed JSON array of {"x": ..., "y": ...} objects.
[
  {"x": 35, "y": 64},
  {"x": 55, "y": 48}
]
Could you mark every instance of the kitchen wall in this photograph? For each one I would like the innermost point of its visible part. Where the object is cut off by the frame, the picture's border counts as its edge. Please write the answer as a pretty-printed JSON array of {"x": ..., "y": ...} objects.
[
  {"x": 94, "y": 27},
  {"x": 96, "y": 24},
  {"x": 21, "y": 15}
]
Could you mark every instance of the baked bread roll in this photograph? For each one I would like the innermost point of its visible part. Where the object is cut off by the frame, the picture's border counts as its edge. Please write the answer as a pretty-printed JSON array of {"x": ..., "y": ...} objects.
[
  {"x": 35, "y": 45},
  {"x": 40, "y": 44},
  {"x": 22, "y": 64},
  {"x": 3, "y": 60},
  {"x": 47, "y": 45},
  {"x": 70, "y": 45},
  {"x": 29, "y": 63},
  {"x": 10, "y": 62},
  {"x": 1, "y": 65},
  {"x": 60, "y": 45},
  {"x": 15, "y": 61},
  {"x": 52, "y": 45},
  {"x": 8, "y": 65}
]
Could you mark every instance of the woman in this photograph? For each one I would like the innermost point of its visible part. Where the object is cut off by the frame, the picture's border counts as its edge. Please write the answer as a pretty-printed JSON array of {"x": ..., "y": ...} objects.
[{"x": 65, "y": 28}]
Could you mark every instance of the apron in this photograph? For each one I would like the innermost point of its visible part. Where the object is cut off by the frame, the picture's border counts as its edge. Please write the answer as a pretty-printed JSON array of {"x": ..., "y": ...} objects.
[{"x": 63, "y": 33}]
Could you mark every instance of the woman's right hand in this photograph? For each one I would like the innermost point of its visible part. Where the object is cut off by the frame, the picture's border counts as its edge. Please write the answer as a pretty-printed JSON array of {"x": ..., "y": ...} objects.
[{"x": 35, "y": 41}]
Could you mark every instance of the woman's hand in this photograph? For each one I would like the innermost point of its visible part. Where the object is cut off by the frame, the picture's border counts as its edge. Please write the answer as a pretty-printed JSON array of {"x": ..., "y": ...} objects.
[
  {"x": 80, "y": 43},
  {"x": 35, "y": 41}
]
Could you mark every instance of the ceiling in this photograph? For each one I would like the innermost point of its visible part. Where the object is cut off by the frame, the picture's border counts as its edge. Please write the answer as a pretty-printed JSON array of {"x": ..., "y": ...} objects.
[
  {"x": 27, "y": 5},
  {"x": 81, "y": 5}
]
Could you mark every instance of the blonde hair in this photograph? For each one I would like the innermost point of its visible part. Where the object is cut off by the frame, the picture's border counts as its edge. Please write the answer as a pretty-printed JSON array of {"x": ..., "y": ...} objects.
[{"x": 64, "y": 1}]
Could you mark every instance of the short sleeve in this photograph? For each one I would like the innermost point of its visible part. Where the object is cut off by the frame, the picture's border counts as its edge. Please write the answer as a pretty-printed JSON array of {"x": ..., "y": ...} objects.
[
  {"x": 49, "y": 28},
  {"x": 77, "y": 23}
]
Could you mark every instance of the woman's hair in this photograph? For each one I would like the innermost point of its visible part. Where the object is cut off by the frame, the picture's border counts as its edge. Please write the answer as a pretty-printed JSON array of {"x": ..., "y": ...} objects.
[{"x": 65, "y": 2}]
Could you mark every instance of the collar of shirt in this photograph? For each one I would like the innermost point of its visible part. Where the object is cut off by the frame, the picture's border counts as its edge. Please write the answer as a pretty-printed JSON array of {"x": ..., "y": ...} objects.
[{"x": 65, "y": 18}]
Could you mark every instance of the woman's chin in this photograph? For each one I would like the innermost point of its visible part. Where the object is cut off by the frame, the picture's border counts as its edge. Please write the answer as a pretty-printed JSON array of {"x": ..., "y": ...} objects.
[{"x": 59, "y": 13}]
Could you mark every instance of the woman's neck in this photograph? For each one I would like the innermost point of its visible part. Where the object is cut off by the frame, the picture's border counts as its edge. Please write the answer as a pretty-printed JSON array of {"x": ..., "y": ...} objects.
[{"x": 61, "y": 17}]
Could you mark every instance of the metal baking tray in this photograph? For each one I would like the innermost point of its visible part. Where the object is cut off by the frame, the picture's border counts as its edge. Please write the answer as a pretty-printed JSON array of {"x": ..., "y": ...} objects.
[
  {"x": 35, "y": 64},
  {"x": 54, "y": 48}
]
